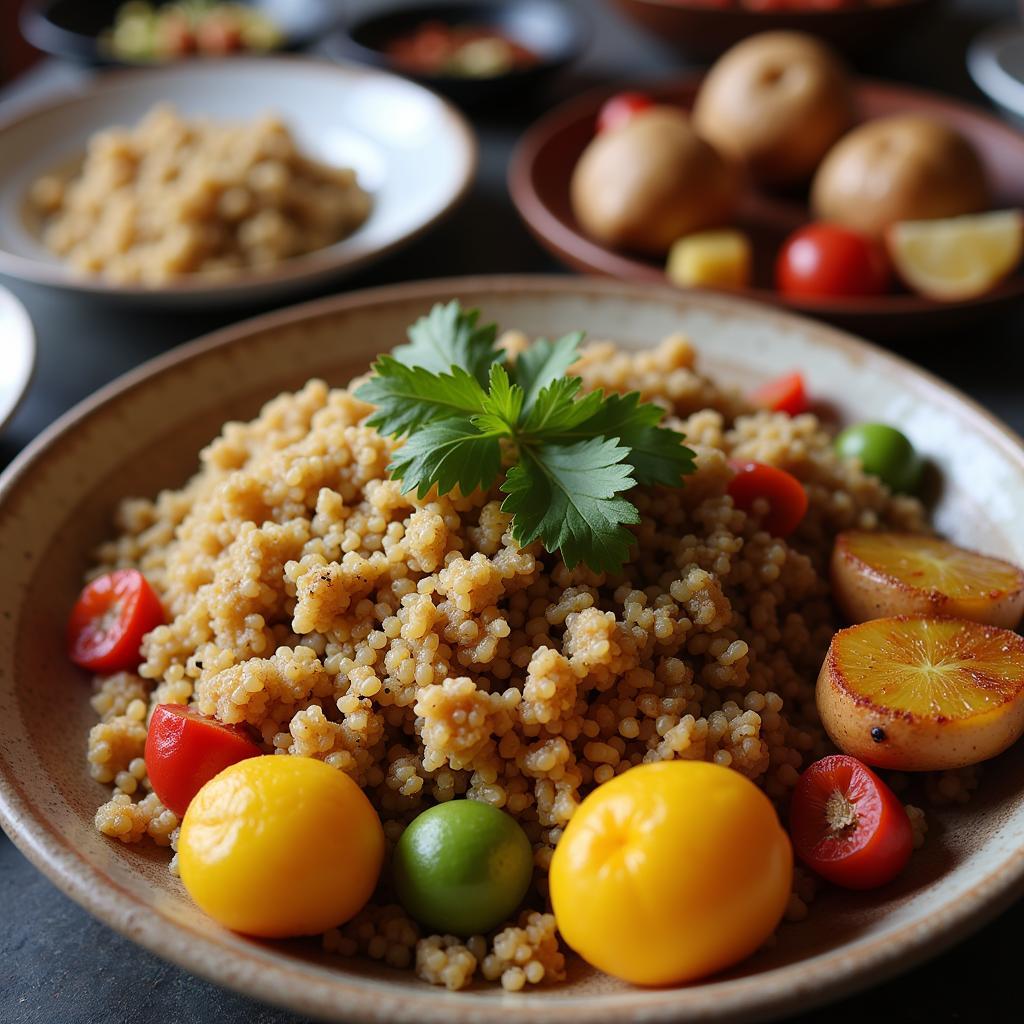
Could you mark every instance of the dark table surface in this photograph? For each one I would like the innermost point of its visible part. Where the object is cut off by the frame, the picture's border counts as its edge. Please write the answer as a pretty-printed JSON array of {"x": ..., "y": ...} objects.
[{"x": 59, "y": 965}]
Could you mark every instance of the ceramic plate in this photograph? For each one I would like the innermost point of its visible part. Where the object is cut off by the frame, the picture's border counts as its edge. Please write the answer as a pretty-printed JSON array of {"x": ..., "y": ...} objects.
[
  {"x": 543, "y": 163},
  {"x": 996, "y": 63},
  {"x": 411, "y": 149},
  {"x": 144, "y": 431},
  {"x": 17, "y": 354}
]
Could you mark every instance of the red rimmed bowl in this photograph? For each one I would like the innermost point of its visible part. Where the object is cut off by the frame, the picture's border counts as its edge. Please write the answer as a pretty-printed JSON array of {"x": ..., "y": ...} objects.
[
  {"x": 543, "y": 162},
  {"x": 704, "y": 30}
]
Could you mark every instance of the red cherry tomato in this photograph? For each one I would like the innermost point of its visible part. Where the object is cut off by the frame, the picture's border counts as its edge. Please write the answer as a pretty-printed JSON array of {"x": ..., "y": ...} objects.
[
  {"x": 219, "y": 35},
  {"x": 174, "y": 37},
  {"x": 784, "y": 394},
  {"x": 111, "y": 616},
  {"x": 783, "y": 492},
  {"x": 621, "y": 108},
  {"x": 826, "y": 260},
  {"x": 185, "y": 749},
  {"x": 848, "y": 825}
]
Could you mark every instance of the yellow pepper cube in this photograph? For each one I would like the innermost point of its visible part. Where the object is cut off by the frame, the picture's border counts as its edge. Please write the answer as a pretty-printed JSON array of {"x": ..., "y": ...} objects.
[{"x": 710, "y": 259}]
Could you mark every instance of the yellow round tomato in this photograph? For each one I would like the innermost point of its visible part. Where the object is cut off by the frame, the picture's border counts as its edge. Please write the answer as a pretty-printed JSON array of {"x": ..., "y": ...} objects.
[
  {"x": 671, "y": 871},
  {"x": 278, "y": 846}
]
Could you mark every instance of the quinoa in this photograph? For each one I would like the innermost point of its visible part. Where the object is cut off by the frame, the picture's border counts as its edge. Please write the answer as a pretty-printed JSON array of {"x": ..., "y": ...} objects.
[
  {"x": 171, "y": 197},
  {"x": 413, "y": 645}
]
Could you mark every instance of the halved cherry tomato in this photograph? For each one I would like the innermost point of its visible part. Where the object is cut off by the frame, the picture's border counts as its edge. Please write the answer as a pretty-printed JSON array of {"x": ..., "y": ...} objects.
[
  {"x": 111, "y": 616},
  {"x": 620, "y": 108},
  {"x": 219, "y": 35},
  {"x": 783, "y": 492},
  {"x": 847, "y": 825},
  {"x": 185, "y": 749},
  {"x": 784, "y": 394},
  {"x": 826, "y": 260}
]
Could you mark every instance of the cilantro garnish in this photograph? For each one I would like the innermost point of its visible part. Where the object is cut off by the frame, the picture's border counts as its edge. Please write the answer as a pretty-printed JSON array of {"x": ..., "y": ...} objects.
[{"x": 571, "y": 458}]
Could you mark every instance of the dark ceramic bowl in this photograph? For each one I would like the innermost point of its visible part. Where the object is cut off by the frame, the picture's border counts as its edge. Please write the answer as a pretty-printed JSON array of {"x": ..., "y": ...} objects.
[
  {"x": 555, "y": 33},
  {"x": 701, "y": 31},
  {"x": 72, "y": 28}
]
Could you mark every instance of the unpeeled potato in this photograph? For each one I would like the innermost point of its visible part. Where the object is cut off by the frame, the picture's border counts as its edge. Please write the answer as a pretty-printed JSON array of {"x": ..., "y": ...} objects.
[
  {"x": 645, "y": 184},
  {"x": 906, "y": 167},
  {"x": 775, "y": 103}
]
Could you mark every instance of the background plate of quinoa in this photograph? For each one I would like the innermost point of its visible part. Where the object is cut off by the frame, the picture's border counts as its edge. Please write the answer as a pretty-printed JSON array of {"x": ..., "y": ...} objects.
[{"x": 708, "y": 647}]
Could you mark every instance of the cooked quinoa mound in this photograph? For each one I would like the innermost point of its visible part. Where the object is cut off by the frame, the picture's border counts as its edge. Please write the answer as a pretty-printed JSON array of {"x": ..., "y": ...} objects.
[{"x": 412, "y": 644}]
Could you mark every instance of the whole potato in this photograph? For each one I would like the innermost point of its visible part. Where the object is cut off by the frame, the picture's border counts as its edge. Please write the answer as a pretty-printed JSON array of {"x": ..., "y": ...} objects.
[
  {"x": 906, "y": 167},
  {"x": 775, "y": 102},
  {"x": 647, "y": 183}
]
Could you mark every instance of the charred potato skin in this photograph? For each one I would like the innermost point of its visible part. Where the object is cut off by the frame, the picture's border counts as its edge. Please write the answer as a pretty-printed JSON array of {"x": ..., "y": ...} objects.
[
  {"x": 908, "y": 742},
  {"x": 863, "y": 592}
]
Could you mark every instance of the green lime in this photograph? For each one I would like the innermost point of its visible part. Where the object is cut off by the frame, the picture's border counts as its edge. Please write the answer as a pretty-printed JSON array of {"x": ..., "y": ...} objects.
[
  {"x": 883, "y": 452},
  {"x": 462, "y": 867}
]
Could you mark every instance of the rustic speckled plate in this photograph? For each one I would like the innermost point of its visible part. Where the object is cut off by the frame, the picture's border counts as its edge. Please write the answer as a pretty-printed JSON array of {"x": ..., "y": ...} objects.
[{"x": 144, "y": 431}]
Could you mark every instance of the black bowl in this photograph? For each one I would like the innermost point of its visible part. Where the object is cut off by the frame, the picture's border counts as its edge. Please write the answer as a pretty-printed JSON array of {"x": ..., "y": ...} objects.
[
  {"x": 71, "y": 28},
  {"x": 550, "y": 29}
]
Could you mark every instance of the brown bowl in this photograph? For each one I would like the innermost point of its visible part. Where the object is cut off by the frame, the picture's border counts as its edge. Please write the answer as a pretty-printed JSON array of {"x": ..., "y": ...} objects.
[
  {"x": 702, "y": 31},
  {"x": 542, "y": 165},
  {"x": 144, "y": 432}
]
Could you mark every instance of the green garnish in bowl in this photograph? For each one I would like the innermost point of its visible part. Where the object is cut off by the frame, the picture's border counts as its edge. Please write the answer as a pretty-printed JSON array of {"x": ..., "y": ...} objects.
[{"x": 568, "y": 459}]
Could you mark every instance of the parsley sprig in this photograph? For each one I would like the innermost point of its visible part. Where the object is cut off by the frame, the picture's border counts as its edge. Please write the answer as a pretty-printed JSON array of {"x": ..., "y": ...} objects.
[{"x": 571, "y": 457}]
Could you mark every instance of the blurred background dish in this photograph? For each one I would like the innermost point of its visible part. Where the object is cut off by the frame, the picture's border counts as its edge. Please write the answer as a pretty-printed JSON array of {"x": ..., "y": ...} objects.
[
  {"x": 474, "y": 52},
  {"x": 80, "y": 31},
  {"x": 996, "y": 63},
  {"x": 702, "y": 29},
  {"x": 541, "y": 169},
  {"x": 410, "y": 150},
  {"x": 17, "y": 354}
]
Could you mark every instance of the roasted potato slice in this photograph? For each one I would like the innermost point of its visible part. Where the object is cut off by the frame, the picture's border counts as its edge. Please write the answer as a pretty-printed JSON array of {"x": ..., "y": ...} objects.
[
  {"x": 914, "y": 693},
  {"x": 879, "y": 574}
]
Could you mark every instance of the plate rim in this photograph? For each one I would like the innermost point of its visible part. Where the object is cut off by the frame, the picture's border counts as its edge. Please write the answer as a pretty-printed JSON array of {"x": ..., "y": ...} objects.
[
  {"x": 308, "y": 267},
  {"x": 987, "y": 71},
  {"x": 564, "y": 240},
  {"x": 30, "y": 343},
  {"x": 261, "y": 971}
]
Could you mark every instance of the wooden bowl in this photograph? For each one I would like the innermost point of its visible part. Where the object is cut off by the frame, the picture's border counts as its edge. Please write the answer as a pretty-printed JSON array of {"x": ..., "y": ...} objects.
[
  {"x": 702, "y": 31},
  {"x": 144, "y": 431},
  {"x": 543, "y": 162}
]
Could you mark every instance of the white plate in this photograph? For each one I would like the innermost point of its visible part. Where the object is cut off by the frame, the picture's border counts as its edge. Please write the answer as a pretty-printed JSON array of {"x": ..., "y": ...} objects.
[
  {"x": 410, "y": 149},
  {"x": 996, "y": 63},
  {"x": 17, "y": 354}
]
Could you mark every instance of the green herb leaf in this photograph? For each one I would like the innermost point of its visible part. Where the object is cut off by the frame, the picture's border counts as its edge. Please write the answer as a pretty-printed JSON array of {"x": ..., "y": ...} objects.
[
  {"x": 568, "y": 497},
  {"x": 504, "y": 400},
  {"x": 407, "y": 397},
  {"x": 556, "y": 409},
  {"x": 657, "y": 454},
  {"x": 447, "y": 453},
  {"x": 449, "y": 336},
  {"x": 543, "y": 362}
]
